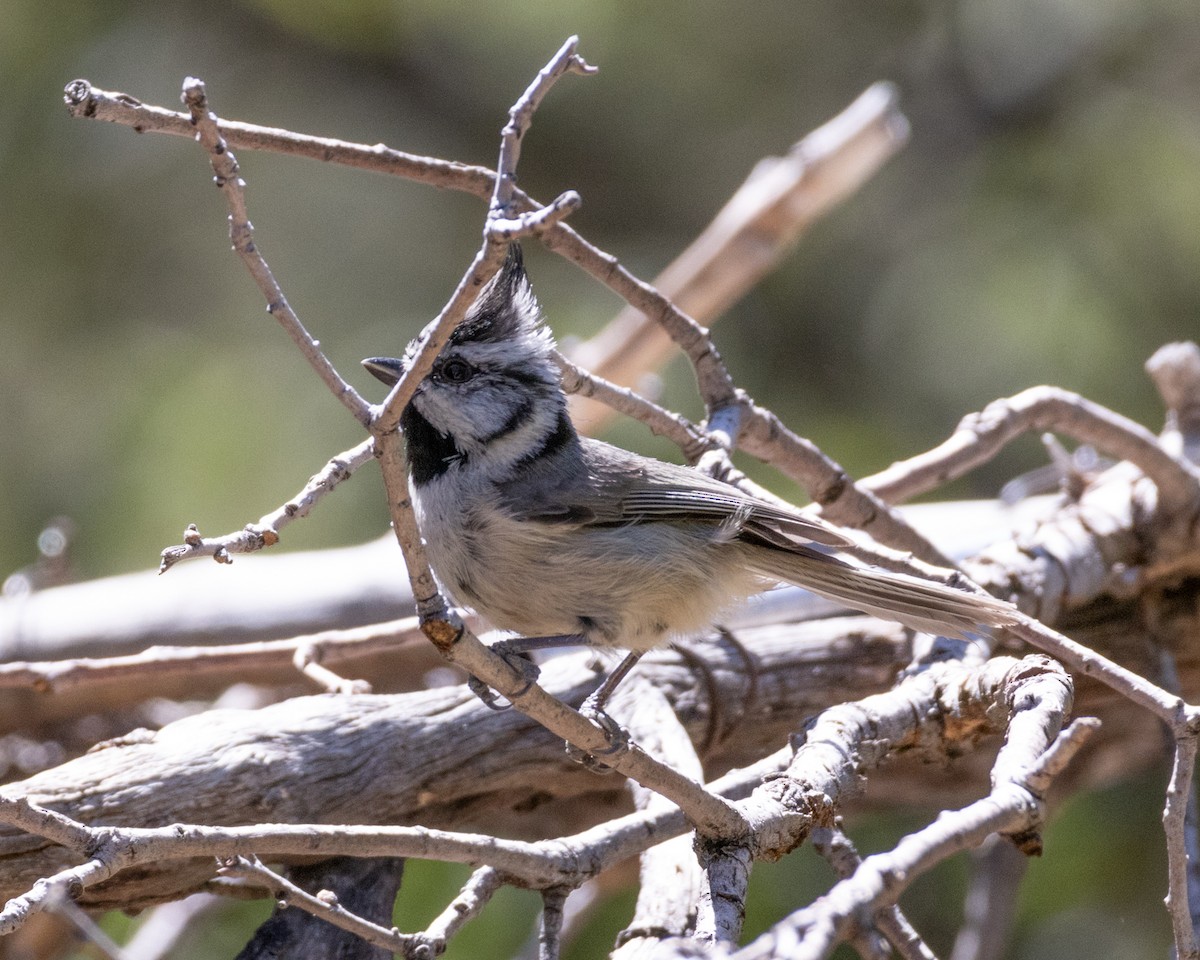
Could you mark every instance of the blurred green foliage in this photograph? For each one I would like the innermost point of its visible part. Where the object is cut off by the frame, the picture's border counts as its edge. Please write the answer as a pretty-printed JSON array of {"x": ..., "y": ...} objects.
[{"x": 1041, "y": 227}]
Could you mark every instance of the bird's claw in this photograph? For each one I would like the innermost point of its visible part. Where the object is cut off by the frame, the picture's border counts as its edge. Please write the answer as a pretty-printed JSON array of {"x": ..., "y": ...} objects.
[
  {"x": 490, "y": 698},
  {"x": 516, "y": 659},
  {"x": 616, "y": 735}
]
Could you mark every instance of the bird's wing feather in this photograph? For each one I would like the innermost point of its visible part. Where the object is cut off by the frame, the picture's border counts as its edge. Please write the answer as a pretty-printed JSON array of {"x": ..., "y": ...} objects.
[
  {"x": 619, "y": 487},
  {"x": 622, "y": 488}
]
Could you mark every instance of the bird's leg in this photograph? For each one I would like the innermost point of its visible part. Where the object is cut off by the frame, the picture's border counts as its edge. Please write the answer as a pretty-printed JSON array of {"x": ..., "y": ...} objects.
[
  {"x": 514, "y": 653},
  {"x": 593, "y": 706},
  {"x": 593, "y": 709}
]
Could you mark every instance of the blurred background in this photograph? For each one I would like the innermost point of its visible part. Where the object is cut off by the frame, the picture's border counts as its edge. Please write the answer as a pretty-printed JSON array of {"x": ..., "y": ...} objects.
[{"x": 1042, "y": 226}]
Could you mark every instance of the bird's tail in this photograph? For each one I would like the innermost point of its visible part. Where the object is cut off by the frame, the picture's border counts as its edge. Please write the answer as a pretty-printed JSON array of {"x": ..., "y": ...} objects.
[{"x": 923, "y": 605}]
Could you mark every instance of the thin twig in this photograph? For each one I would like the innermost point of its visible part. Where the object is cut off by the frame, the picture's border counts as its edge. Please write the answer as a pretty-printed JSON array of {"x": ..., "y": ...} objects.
[
  {"x": 325, "y": 905},
  {"x": 520, "y": 117},
  {"x": 1170, "y": 708},
  {"x": 265, "y": 533},
  {"x": 476, "y": 893},
  {"x": 499, "y": 231},
  {"x": 241, "y": 235},
  {"x": 46, "y": 891},
  {"x": 839, "y": 851},
  {"x": 84, "y": 100},
  {"x": 307, "y": 659},
  {"x": 87, "y": 927},
  {"x": 840, "y": 499},
  {"x": 680, "y": 431}
]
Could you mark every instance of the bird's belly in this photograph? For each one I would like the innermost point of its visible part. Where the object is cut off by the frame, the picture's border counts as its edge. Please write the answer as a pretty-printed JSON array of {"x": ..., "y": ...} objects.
[{"x": 614, "y": 586}]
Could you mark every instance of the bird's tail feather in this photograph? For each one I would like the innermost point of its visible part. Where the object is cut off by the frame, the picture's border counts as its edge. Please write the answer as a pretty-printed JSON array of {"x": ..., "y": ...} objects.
[{"x": 923, "y": 605}]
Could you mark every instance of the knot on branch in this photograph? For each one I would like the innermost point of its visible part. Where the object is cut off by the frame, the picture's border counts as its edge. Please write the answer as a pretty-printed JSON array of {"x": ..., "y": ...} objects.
[
  {"x": 77, "y": 95},
  {"x": 798, "y": 801},
  {"x": 443, "y": 630}
]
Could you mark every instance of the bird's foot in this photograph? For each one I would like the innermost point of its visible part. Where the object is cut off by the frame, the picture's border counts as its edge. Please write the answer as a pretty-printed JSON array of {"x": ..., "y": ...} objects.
[
  {"x": 517, "y": 659},
  {"x": 617, "y": 736}
]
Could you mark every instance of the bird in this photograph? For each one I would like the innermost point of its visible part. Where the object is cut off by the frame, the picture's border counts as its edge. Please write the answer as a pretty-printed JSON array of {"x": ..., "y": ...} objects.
[{"x": 564, "y": 539}]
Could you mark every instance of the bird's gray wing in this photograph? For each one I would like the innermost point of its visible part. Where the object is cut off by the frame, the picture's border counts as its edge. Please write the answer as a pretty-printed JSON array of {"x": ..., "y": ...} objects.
[{"x": 610, "y": 486}]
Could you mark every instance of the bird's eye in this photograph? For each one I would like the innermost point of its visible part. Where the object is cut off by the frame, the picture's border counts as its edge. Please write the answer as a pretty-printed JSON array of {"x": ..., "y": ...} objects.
[{"x": 456, "y": 370}]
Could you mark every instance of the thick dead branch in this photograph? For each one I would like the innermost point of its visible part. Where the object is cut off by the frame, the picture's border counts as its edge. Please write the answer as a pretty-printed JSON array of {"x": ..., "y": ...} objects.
[
  {"x": 341, "y": 764},
  {"x": 965, "y": 703}
]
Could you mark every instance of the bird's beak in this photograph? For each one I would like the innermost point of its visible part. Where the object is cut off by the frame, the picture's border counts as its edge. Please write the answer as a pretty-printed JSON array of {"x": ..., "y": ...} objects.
[{"x": 387, "y": 369}]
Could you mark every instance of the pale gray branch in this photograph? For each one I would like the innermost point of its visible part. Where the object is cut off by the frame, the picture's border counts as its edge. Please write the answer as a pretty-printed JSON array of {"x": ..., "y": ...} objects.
[
  {"x": 980, "y": 436},
  {"x": 838, "y": 849},
  {"x": 1013, "y": 805},
  {"x": 1179, "y": 792}
]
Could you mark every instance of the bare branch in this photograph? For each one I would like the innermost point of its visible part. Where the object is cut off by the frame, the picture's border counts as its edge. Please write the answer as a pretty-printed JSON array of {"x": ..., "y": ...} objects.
[
  {"x": 1171, "y": 709},
  {"x": 520, "y": 116},
  {"x": 157, "y": 663},
  {"x": 1179, "y": 792},
  {"x": 325, "y": 905},
  {"x": 535, "y": 223},
  {"x": 265, "y": 533},
  {"x": 780, "y": 199},
  {"x": 980, "y": 436},
  {"x": 582, "y": 383},
  {"x": 670, "y": 877},
  {"x": 241, "y": 235},
  {"x": 471, "y": 900},
  {"x": 838, "y": 849},
  {"x": 551, "y": 923},
  {"x": 841, "y": 500},
  {"x": 307, "y": 660},
  {"x": 1014, "y": 805},
  {"x": 991, "y": 903},
  {"x": 88, "y": 929},
  {"x": 46, "y": 892},
  {"x": 86, "y": 101}
]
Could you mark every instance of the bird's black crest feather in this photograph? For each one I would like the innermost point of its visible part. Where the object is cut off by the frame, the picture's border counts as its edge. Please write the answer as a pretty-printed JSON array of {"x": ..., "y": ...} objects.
[{"x": 505, "y": 309}]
